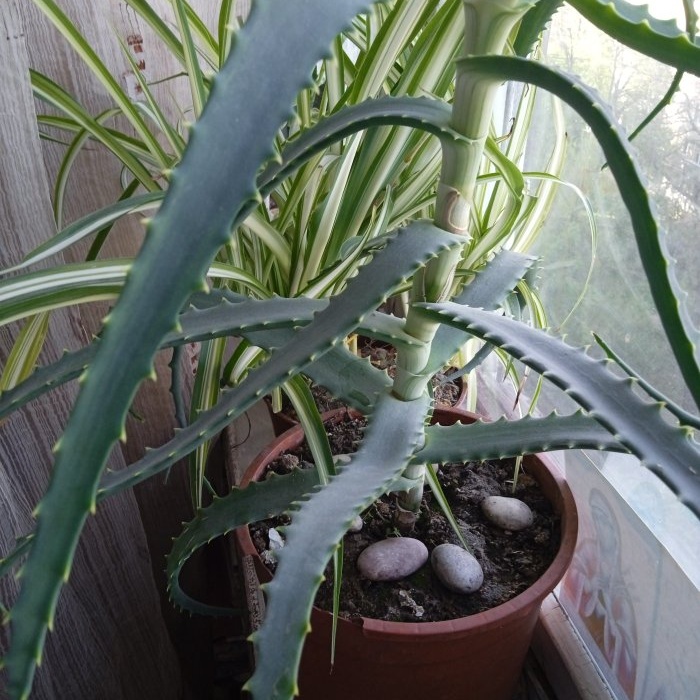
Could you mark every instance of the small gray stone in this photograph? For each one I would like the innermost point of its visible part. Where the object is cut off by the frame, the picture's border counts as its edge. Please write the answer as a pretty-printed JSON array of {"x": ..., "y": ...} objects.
[
  {"x": 456, "y": 568},
  {"x": 508, "y": 513},
  {"x": 392, "y": 559}
]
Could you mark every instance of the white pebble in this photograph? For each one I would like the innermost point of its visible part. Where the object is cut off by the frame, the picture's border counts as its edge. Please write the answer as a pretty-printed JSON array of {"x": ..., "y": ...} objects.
[
  {"x": 392, "y": 559},
  {"x": 456, "y": 568},
  {"x": 276, "y": 540},
  {"x": 508, "y": 513},
  {"x": 356, "y": 524}
]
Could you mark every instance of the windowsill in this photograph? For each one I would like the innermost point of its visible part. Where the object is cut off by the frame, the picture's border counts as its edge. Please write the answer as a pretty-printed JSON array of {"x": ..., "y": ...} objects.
[{"x": 567, "y": 664}]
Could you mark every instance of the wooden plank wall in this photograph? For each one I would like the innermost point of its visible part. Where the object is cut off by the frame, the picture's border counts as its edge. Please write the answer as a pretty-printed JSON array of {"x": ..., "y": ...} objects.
[{"x": 111, "y": 636}]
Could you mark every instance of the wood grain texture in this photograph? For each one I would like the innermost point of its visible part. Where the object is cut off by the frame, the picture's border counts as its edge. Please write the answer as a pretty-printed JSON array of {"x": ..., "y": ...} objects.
[{"x": 110, "y": 640}]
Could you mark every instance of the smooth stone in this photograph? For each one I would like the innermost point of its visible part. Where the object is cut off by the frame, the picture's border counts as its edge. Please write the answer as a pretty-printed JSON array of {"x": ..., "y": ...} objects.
[
  {"x": 456, "y": 568},
  {"x": 508, "y": 513},
  {"x": 276, "y": 540},
  {"x": 356, "y": 524},
  {"x": 392, "y": 559}
]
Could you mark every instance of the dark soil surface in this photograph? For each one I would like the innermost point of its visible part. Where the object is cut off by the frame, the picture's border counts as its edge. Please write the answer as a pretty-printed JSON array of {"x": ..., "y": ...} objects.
[
  {"x": 383, "y": 356},
  {"x": 511, "y": 561},
  {"x": 446, "y": 392}
]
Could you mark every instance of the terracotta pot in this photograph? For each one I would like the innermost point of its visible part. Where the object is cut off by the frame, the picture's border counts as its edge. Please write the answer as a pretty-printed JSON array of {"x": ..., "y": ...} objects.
[
  {"x": 479, "y": 657},
  {"x": 282, "y": 421}
]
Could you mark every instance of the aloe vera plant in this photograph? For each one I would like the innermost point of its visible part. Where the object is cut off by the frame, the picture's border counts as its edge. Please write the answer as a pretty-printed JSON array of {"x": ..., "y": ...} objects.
[
  {"x": 334, "y": 196},
  {"x": 164, "y": 301}
]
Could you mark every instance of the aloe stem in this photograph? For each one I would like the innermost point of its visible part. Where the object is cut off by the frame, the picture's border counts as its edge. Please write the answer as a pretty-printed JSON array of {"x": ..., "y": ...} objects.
[{"x": 488, "y": 24}]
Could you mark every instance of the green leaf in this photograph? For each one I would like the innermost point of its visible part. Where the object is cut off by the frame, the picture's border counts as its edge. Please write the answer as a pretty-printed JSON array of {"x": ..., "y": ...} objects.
[
  {"x": 634, "y": 26},
  {"x": 211, "y": 186},
  {"x": 88, "y": 225},
  {"x": 651, "y": 241},
  {"x": 667, "y": 450},
  {"x": 394, "y": 432},
  {"x": 50, "y": 92},
  {"x": 92, "y": 60},
  {"x": 25, "y": 352},
  {"x": 241, "y": 506},
  {"x": 511, "y": 438}
]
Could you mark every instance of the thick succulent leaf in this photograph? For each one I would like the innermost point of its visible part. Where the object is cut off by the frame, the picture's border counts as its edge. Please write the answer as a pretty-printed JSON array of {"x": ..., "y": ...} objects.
[
  {"x": 422, "y": 113},
  {"x": 214, "y": 181},
  {"x": 403, "y": 254},
  {"x": 394, "y": 432},
  {"x": 512, "y": 438},
  {"x": 532, "y": 25},
  {"x": 351, "y": 379},
  {"x": 487, "y": 290},
  {"x": 669, "y": 298},
  {"x": 683, "y": 416},
  {"x": 638, "y": 424},
  {"x": 222, "y": 313},
  {"x": 256, "y": 502},
  {"x": 636, "y": 27}
]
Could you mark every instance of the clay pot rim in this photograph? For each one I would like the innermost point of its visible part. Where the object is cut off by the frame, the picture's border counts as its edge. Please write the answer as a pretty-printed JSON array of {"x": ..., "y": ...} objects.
[{"x": 559, "y": 494}]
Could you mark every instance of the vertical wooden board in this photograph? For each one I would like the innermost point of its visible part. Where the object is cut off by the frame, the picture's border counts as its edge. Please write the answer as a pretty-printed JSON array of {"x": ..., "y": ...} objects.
[{"x": 110, "y": 641}]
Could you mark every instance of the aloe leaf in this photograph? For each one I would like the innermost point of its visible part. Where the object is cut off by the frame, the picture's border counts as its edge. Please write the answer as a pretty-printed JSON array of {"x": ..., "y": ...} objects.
[
  {"x": 486, "y": 290},
  {"x": 10, "y": 561},
  {"x": 257, "y": 501},
  {"x": 651, "y": 242},
  {"x": 267, "y": 323},
  {"x": 683, "y": 416},
  {"x": 424, "y": 113},
  {"x": 348, "y": 377},
  {"x": 394, "y": 432},
  {"x": 503, "y": 438},
  {"x": 667, "y": 450},
  {"x": 405, "y": 252},
  {"x": 214, "y": 181},
  {"x": 691, "y": 20},
  {"x": 634, "y": 26},
  {"x": 532, "y": 24},
  {"x": 44, "y": 379}
]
